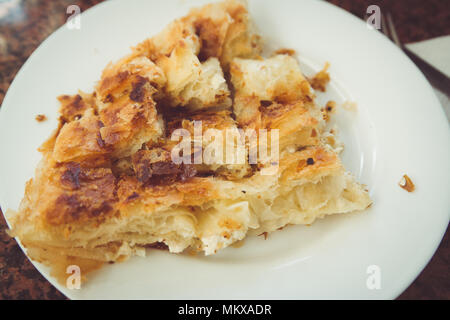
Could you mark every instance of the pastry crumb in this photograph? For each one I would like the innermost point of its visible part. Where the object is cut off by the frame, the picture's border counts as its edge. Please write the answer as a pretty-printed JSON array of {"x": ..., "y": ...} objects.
[
  {"x": 329, "y": 108},
  {"x": 289, "y": 52},
  {"x": 41, "y": 117},
  {"x": 407, "y": 184},
  {"x": 321, "y": 79},
  {"x": 265, "y": 234}
]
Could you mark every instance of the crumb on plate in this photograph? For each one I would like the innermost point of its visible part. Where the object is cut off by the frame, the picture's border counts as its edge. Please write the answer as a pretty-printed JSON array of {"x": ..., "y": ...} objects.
[
  {"x": 321, "y": 79},
  {"x": 41, "y": 117},
  {"x": 407, "y": 184}
]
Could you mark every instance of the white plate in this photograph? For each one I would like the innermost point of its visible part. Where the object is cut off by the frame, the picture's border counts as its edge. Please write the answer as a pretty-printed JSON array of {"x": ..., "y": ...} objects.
[{"x": 399, "y": 128}]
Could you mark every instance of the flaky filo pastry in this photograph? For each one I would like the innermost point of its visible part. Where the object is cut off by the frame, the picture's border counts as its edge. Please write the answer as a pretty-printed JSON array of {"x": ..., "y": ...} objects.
[{"x": 107, "y": 188}]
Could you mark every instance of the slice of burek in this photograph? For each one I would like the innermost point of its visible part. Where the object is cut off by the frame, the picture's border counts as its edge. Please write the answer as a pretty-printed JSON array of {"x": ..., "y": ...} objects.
[{"x": 107, "y": 188}]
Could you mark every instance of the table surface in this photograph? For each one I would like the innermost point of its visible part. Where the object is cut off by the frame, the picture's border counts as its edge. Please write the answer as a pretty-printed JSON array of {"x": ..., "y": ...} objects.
[{"x": 25, "y": 24}]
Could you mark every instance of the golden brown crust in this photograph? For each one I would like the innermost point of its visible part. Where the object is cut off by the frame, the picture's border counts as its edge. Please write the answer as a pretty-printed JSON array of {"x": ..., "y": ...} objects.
[
  {"x": 309, "y": 164},
  {"x": 72, "y": 192},
  {"x": 191, "y": 192},
  {"x": 155, "y": 167},
  {"x": 117, "y": 79},
  {"x": 73, "y": 107},
  {"x": 219, "y": 120},
  {"x": 85, "y": 194},
  {"x": 80, "y": 139}
]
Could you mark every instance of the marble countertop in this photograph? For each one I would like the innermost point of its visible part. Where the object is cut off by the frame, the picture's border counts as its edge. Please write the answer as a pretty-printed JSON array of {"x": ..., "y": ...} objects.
[{"x": 25, "y": 24}]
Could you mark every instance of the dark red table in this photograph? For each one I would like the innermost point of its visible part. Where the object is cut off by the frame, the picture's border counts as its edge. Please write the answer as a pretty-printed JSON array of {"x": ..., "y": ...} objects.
[{"x": 26, "y": 24}]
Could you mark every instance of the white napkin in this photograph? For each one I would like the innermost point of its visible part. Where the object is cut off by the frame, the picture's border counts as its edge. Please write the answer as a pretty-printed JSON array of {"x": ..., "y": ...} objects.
[{"x": 437, "y": 53}]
